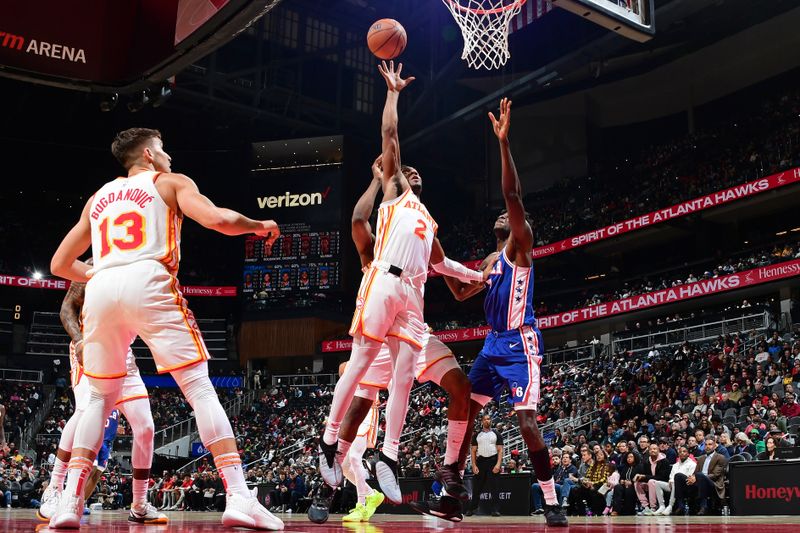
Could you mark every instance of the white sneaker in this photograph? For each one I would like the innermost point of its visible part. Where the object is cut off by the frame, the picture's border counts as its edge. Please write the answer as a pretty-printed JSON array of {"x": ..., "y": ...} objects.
[
  {"x": 50, "y": 500},
  {"x": 647, "y": 512},
  {"x": 146, "y": 513},
  {"x": 68, "y": 513},
  {"x": 386, "y": 473},
  {"x": 667, "y": 511},
  {"x": 660, "y": 511},
  {"x": 331, "y": 472},
  {"x": 247, "y": 512}
]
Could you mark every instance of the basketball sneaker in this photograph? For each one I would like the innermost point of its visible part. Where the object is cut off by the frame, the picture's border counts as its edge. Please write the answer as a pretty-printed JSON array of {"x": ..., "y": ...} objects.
[
  {"x": 554, "y": 516},
  {"x": 450, "y": 478},
  {"x": 247, "y": 512},
  {"x": 146, "y": 513},
  {"x": 49, "y": 502},
  {"x": 68, "y": 513},
  {"x": 446, "y": 508},
  {"x": 373, "y": 501},
  {"x": 321, "y": 504},
  {"x": 386, "y": 474},
  {"x": 359, "y": 514},
  {"x": 330, "y": 463}
]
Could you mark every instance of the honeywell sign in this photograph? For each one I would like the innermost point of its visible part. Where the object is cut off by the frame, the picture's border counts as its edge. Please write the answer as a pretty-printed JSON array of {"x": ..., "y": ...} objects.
[{"x": 722, "y": 284}]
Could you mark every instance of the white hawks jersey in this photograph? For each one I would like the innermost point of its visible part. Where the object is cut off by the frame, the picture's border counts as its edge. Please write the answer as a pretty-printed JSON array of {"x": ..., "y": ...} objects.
[
  {"x": 405, "y": 233},
  {"x": 131, "y": 222}
]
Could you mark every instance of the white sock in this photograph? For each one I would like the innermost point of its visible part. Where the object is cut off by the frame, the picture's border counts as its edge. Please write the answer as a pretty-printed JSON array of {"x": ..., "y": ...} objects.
[
  {"x": 391, "y": 448},
  {"x": 230, "y": 470},
  {"x": 456, "y": 429},
  {"x": 59, "y": 474},
  {"x": 139, "y": 488},
  {"x": 549, "y": 489},
  {"x": 331, "y": 432},
  {"x": 344, "y": 447},
  {"x": 78, "y": 471}
]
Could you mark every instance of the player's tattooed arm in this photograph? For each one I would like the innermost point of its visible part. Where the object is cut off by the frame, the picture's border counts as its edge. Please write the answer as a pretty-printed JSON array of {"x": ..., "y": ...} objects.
[
  {"x": 71, "y": 311},
  {"x": 360, "y": 229},
  {"x": 521, "y": 233}
]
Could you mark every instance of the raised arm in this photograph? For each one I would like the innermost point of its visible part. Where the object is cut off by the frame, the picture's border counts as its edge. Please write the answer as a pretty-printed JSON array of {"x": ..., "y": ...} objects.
[
  {"x": 65, "y": 263},
  {"x": 360, "y": 229},
  {"x": 390, "y": 141},
  {"x": 199, "y": 208},
  {"x": 463, "y": 282},
  {"x": 521, "y": 233}
]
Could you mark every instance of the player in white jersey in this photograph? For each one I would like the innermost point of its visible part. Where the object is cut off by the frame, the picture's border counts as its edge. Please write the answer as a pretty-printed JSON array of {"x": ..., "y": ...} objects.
[
  {"x": 390, "y": 301},
  {"x": 133, "y": 226},
  {"x": 134, "y": 403}
]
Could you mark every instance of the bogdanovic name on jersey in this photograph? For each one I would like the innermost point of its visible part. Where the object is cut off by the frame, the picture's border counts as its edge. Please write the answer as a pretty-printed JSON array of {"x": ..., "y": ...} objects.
[
  {"x": 290, "y": 200},
  {"x": 137, "y": 196}
]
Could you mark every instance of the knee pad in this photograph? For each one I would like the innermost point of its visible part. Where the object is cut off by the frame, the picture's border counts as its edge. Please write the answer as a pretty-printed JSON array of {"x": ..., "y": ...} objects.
[{"x": 212, "y": 422}]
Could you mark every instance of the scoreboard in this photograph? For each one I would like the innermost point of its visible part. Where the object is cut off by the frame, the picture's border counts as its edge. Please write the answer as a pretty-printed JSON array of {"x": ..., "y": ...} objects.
[{"x": 298, "y": 184}]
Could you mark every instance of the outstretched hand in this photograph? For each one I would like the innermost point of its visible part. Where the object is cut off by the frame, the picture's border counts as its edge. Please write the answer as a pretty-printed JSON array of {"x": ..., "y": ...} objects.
[
  {"x": 394, "y": 82},
  {"x": 501, "y": 125},
  {"x": 377, "y": 168},
  {"x": 270, "y": 230}
]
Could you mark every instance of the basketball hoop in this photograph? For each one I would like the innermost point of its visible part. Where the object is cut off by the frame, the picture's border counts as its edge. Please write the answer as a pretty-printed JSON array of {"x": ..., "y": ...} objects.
[{"x": 484, "y": 26}]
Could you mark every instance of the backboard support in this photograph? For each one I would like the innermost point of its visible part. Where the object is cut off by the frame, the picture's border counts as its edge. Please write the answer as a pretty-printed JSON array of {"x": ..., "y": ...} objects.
[{"x": 634, "y": 19}]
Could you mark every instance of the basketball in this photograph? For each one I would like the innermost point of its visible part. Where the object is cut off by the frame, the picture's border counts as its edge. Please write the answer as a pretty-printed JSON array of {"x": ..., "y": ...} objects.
[{"x": 386, "y": 39}]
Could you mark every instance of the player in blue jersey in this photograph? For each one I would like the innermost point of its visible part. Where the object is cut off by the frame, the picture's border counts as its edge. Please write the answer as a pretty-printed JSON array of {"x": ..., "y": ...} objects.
[
  {"x": 109, "y": 434},
  {"x": 511, "y": 354}
]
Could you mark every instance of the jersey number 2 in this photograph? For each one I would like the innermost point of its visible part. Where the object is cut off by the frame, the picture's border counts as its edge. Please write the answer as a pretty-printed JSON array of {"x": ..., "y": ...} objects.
[
  {"x": 421, "y": 227},
  {"x": 134, "y": 233}
]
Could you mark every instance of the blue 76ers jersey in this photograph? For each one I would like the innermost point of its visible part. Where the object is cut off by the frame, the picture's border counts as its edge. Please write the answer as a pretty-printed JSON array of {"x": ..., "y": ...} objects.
[
  {"x": 509, "y": 302},
  {"x": 111, "y": 426}
]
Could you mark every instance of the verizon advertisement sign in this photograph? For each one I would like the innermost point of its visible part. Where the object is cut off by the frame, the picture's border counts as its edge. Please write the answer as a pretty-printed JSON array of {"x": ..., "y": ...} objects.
[
  {"x": 747, "y": 278},
  {"x": 62, "y": 285}
]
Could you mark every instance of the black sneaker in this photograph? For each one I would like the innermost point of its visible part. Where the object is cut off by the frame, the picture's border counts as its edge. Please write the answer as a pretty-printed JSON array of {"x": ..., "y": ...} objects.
[
  {"x": 446, "y": 508},
  {"x": 329, "y": 463},
  {"x": 495, "y": 513},
  {"x": 469, "y": 512},
  {"x": 320, "y": 506},
  {"x": 450, "y": 478},
  {"x": 385, "y": 471},
  {"x": 555, "y": 517}
]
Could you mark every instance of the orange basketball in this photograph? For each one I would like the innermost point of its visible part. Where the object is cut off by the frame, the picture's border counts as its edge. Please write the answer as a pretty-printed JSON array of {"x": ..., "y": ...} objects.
[{"x": 387, "y": 39}]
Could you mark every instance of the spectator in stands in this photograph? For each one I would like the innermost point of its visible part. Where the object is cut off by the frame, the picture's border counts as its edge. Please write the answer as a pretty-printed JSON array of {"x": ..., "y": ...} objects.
[
  {"x": 588, "y": 488},
  {"x": 742, "y": 445},
  {"x": 725, "y": 442},
  {"x": 624, "y": 493},
  {"x": 685, "y": 465},
  {"x": 790, "y": 408},
  {"x": 296, "y": 487},
  {"x": 708, "y": 480},
  {"x": 769, "y": 453},
  {"x": 561, "y": 477},
  {"x": 279, "y": 496},
  {"x": 214, "y": 495},
  {"x": 654, "y": 468}
]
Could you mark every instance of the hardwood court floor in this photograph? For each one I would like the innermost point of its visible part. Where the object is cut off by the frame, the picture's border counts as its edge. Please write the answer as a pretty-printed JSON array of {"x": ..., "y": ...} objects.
[{"x": 19, "y": 520}]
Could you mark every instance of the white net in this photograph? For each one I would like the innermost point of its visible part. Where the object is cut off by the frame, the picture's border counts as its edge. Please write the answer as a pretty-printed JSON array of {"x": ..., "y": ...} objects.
[{"x": 484, "y": 26}]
